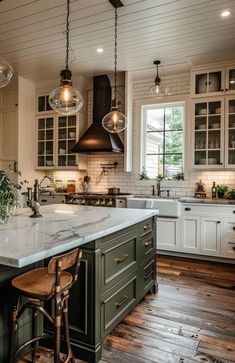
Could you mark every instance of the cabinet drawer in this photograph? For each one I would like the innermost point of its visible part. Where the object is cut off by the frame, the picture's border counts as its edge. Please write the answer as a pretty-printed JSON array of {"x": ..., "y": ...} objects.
[
  {"x": 229, "y": 228},
  {"x": 117, "y": 258},
  {"x": 117, "y": 305},
  {"x": 148, "y": 246},
  {"x": 146, "y": 227},
  {"x": 210, "y": 209},
  {"x": 149, "y": 275},
  {"x": 228, "y": 247}
]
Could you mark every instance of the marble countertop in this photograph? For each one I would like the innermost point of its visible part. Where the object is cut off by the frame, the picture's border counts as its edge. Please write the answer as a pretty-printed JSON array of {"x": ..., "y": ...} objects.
[{"x": 25, "y": 240}]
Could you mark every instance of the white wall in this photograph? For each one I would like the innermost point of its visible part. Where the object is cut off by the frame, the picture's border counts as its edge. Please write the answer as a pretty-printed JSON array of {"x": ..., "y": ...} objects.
[{"x": 26, "y": 131}]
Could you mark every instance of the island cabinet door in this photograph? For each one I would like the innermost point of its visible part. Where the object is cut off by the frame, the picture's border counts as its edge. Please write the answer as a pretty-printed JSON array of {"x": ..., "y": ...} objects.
[
  {"x": 210, "y": 236},
  {"x": 190, "y": 234}
]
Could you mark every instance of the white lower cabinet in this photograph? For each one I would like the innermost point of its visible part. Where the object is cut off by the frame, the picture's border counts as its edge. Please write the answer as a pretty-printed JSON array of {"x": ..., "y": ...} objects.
[
  {"x": 210, "y": 236},
  {"x": 190, "y": 234},
  {"x": 168, "y": 234},
  {"x": 199, "y": 231}
]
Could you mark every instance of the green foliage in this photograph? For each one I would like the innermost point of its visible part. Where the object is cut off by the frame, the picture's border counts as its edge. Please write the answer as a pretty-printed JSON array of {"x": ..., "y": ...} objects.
[
  {"x": 174, "y": 142},
  {"x": 221, "y": 188},
  {"x": 8, "y": 189},
  {"x": 160, "y": 177},
  {"x": 143, "y": 175},
  {"x": 231, "y": 194},
  {"x": 178, "y": 176}
]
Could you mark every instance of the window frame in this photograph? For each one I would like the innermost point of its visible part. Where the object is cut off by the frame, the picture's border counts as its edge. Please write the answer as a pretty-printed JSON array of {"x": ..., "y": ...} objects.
[{"x": 142, "y": 105}]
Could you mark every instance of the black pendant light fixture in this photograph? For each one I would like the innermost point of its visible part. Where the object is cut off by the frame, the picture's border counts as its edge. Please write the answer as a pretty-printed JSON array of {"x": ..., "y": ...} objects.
[
  {"x": 157, "y": 89},
  {"x": 6, "y": 72},
  {"x": 115, "y": 121},
  {"x": 65, "y": 99}
]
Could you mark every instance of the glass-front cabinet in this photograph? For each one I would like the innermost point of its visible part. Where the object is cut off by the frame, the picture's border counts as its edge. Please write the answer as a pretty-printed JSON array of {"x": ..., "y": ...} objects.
[
  {"x": 208, "y": 133},
  {"x": 213, "y": 81},
  {"x": 45, "y": 142},
  {"x": 66, "y": 136},
  {"x": 56, "y": 136},
  {"x": 230, "y": 132}
]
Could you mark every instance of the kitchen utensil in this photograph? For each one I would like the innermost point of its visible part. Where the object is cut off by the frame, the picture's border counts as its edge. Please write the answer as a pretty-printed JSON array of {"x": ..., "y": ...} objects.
[{"x": 113, "y": 191}]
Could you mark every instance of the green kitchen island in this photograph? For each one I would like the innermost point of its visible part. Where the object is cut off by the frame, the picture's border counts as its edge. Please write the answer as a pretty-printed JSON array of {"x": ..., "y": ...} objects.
[{"x": 118, "y": 266}]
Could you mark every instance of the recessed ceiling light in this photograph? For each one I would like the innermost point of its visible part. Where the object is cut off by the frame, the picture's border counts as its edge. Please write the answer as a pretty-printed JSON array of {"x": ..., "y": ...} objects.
[
  {"x": 99, "y": 50},
  {"x": 225, "y": 13}
]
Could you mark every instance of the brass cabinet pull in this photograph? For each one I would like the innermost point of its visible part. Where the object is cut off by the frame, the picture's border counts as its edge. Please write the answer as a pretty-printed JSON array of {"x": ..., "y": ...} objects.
[
  {"x": 148, "y": 243},
  {"x": 231, "y": 243},
  {"x": 147, "y": 226},
  {"x": 118, "y": 260},
  {"x": 234, "y": 228},
  {"x": 187, "y": 209},
  {"x": 148, "y": 275},
  {"x": 124, "y": 299},
  {"x": 233, "y": 248}
]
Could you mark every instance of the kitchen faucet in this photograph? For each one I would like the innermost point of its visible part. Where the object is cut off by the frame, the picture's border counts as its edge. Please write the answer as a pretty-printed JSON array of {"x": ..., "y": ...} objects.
[{"x": 159, "y": 190}]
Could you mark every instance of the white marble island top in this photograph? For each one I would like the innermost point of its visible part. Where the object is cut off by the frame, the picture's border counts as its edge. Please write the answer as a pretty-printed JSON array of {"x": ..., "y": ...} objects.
[{"x": 25, "y": 240}]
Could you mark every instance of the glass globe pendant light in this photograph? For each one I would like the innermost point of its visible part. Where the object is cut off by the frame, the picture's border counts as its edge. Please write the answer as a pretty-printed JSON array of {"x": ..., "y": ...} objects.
[
  {"x": 157, "y": 89},
  {"x": 6, "y": 72},
  {"x": 115, "y": 121},
  {"x": 65, "y": 99}
]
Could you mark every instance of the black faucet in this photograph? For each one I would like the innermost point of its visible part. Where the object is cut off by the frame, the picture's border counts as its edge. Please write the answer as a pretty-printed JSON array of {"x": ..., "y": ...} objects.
[{"x": 159, "y": 190}]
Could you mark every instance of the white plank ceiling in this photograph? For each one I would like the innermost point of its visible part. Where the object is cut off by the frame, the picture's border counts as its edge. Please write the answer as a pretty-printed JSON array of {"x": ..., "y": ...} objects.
[{"x": 32, "y": 34}]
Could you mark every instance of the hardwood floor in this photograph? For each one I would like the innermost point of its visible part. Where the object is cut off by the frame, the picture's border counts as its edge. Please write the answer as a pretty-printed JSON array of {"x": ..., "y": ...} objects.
[{"x": 190, "y": 319}]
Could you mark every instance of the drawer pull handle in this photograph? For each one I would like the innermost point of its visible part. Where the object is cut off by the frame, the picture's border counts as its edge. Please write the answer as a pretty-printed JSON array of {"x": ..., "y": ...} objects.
[
  {"x": 231, "y": 243},
  {"x": 119, "y": 260},
  {"x": 148, "y": 275},
  {"x": 187, "y": 209},
  {"x": 233, "y": 211},
  {"x": 218, "y": 222},
  {"x": 234, "y": 228},
  {"x": 124, "y": 299},
  {"x": 148, "y": 243},
  {"x": 147, "y": 226},
  {"x": 233, "y": 248}
]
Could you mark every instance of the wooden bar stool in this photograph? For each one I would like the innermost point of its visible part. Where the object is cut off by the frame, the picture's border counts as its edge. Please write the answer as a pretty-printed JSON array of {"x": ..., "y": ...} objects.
[{"x": 38, "y": 286}]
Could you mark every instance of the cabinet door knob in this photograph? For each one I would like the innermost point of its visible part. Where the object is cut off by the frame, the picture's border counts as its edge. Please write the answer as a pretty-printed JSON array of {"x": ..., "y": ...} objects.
[
  {"x": 226, "y": 89},
  {"x": 234, "y": 228},
  {"x": 147, "y": 226},
  {"x": 233, "y": 211},
  {"x": 148, "y": 243},
  {"x": 222, "y": 90},
  {"x": 218, "y": 222},
  {"x": 187, "y": 209}
]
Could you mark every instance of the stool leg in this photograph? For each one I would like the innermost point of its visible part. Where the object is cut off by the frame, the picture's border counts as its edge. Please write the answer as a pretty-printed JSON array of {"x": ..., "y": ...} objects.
[
  {"x": 34, "y": 334},
  {"x": 66, "y": 333},
  {"x": 57, "y": 330},
  {"x": 13, "y": 334}
]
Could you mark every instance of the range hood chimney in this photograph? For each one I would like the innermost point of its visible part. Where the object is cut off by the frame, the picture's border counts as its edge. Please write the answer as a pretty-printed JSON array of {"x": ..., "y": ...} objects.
[{"x": 96, "y": 139}]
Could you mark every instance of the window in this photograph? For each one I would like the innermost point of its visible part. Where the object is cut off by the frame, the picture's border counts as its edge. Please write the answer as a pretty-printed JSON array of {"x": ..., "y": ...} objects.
[{"x": 163, "y": 139}]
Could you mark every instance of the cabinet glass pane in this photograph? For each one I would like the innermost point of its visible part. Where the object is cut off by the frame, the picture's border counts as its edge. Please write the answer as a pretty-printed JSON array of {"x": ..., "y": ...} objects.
[
  {"x": 49, "y": 123},
  {"x": 49, "y": 134},
  {"x": 49, "y": 160},
  {"x": 208, "y": 82},
  {"x": 41, "y": 123},
  {"x": 49, "y": 148},
  {"x": 48, "y": 107},
  {"x": 62, "y": 121},
  {"x": 41, "y": 161},
  {"x": 62, "y": 134},
  {"x": 61, "y": 160},
  {"x": 200, "y": 140},
  {"x": 41, "y": 103},
  {"x": 231, "y": 157},
  {"x": 62, "y": 147},
  {"x": 41, "y": 147},
  {"x": 41, "y": 135},
  {"x": 70, "y": 146},
  {"x": 71, "y": 121},
  {"x": 72, "y": 133},
  {"x": 71, "y": 160},
  {"x": 200, "y": 157},
  {"x": 232, "y": 79}
]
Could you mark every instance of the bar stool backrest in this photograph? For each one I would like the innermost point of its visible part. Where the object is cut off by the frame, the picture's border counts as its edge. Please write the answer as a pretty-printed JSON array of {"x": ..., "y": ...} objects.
[{"x": 64, "y": 262}]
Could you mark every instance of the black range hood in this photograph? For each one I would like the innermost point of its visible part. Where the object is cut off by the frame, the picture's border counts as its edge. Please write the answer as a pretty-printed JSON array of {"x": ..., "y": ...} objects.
[{"x": 96, "y": 139}]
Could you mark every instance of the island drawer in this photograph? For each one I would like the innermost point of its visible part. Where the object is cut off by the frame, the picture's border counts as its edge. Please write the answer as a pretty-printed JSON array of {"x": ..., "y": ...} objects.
[
  {"x": 149, "y": 273},
  {"x": 147, "y": 246},
  {"x": 117, "y": 305},
  {"x": 146, "y": 227},
  {"x": 119, "y": 257}
]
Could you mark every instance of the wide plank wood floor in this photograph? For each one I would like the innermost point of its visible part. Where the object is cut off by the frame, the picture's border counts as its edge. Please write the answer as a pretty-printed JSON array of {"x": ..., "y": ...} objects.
[{"x": 190, "y": 319}]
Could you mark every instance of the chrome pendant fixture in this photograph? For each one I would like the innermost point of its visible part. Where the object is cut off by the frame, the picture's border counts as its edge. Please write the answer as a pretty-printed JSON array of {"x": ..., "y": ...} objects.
[
  {"x": 157, "y": 89},
  {"x": 65, "y": 99},
  {"x": 6, "y": 72},
  {"x": 115, "y": 121}
]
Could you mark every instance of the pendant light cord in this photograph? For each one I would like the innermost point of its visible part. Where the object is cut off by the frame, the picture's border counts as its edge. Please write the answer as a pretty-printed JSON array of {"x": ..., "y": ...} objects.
[
  {"x": 115, "y": 57},
  {"x": 67, "y": 36}
]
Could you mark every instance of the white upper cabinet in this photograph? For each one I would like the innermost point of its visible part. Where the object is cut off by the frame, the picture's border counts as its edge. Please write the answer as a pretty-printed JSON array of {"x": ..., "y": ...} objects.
[{"x": 213, "y": 81}]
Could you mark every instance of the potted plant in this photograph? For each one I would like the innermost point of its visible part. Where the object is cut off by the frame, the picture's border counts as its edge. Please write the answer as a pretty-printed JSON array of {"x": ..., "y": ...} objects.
[
  {"x": 221, "y": 189},
  {"x": 231, "y": 194},
  {"x": 8, "y": 196}
]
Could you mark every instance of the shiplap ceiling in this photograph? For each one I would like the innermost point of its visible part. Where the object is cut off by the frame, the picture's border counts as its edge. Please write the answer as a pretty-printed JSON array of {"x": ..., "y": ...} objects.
[{"x": 181, "y": 32}]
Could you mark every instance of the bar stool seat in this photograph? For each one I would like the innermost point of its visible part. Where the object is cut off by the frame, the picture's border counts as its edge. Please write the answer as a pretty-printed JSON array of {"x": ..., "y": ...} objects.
[
  {"x": 46, "y": 284},
  {"x": 39, "y": 283}
]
